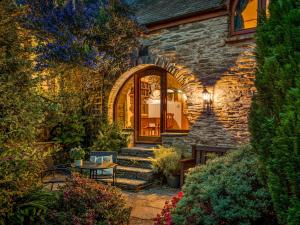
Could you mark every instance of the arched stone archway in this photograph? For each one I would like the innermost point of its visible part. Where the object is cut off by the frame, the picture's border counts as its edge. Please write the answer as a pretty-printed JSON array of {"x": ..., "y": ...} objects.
[{"x": 188, "y": 81}]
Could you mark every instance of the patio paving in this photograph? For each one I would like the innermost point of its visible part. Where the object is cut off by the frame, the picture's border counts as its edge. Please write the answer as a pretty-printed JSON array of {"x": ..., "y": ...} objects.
[{"x": 146, "y": 204}]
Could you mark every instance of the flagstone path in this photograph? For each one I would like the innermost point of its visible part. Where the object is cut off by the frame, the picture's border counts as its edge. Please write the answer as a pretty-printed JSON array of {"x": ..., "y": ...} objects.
[{"x": 146, "y": 204}]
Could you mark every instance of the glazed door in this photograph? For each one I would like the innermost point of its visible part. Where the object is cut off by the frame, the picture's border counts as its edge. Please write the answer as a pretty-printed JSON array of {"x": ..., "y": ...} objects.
[{"x": 150, "y": 106}]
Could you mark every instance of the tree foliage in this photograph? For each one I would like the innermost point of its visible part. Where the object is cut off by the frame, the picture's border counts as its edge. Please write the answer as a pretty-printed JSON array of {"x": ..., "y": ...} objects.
[
  {"x": 275, "y": 116},
  {"x": 83, "y": 46},
  {"x": 20, "y": 106}
]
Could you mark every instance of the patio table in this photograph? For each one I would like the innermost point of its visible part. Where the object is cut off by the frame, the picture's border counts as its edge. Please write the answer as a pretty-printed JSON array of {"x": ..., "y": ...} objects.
[{"x": 93, "y": 167}]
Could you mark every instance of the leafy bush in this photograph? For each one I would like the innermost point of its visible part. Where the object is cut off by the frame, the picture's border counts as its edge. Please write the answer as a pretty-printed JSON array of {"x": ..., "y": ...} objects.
[
  {"x": 32, "y": 208},
  {"x": 21, "y": 107},
  {"x": 110, "y": 138},
  {"x": 70, "y": 131},
  {"x": 84, "y": 201},
  {"x": 227, "y": 190},
  {"x": 20, "y": 170},
  {"x": 77, "y": 153},
  {"x": 166, "y": 161}
]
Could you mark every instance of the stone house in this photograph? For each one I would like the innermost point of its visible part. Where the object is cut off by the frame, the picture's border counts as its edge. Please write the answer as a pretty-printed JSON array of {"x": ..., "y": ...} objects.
[{"x": 193, "y": 78}]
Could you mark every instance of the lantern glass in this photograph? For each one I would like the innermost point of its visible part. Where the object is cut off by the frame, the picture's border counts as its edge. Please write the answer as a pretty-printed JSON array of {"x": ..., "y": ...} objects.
[{"x": 207, "y": 97}]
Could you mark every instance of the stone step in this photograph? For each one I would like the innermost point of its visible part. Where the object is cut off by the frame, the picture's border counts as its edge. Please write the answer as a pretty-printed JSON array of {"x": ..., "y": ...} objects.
[
  {"x": 133, "y": 161},
  {"x": 137, "y": 151},
  {"x": 149, "y": 146},
  {"x": 128, "y": 184},
  {"x": 134, "y": 173}
]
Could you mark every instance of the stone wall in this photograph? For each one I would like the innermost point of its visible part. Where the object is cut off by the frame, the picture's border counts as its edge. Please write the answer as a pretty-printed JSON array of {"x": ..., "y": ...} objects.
[
  {"x": 226, "y": 67},
  {"x": 179, "y": 140}
]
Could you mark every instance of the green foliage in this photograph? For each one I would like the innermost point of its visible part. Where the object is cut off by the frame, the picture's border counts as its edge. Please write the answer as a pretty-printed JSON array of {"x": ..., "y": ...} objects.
[
  {"x": 20, "y": 170},
  {"x": 77, "y": 153},
  {"x": 116, "y": 32},
  {"x": 275, "y": 115},
  {"x": 166, "y": 161},
  {"x": 32, "y": 208},
  {"x": 21, "y": 108},
  {"x": 83, "y": 201},
  {"x": 110, "y": 138},
  {"x": 227, "y": 190},
  {"x": 70, "y": 131}
]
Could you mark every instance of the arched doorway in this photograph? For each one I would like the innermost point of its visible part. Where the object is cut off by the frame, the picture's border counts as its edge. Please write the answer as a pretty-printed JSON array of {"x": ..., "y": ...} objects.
[{"x": 151, "y": 102}]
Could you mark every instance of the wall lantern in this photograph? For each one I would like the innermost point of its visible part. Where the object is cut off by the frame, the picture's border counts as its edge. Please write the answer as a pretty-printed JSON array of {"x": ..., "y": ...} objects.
[{"x": 207, "y": 99}]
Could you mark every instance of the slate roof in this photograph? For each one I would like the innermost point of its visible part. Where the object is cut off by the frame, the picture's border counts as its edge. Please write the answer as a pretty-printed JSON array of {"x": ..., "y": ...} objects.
[{"x": 153, "y": 11}]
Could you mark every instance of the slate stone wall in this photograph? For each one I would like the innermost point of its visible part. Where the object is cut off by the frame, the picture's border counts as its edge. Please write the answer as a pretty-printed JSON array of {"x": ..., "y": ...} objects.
[{"x": 222, "y": 64}]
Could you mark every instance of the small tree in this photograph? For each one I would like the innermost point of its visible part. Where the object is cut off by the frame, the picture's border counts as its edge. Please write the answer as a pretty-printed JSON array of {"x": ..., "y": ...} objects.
[
  {"x": 88, "y": 43},
  {"x": 275, "y": 116},
  {"x": 21, "y": 108}
]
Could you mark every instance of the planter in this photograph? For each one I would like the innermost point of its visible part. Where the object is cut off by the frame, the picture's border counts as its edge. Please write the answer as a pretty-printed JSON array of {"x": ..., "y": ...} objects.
[
  {"x": 173, "y": 181},
  {"x": 78, "y": 162}
]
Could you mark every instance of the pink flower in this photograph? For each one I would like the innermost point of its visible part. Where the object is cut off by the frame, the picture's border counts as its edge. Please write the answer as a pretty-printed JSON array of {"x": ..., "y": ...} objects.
[
  {"x": 165, "y": 218},
  {"x": 180, "y": 194}
]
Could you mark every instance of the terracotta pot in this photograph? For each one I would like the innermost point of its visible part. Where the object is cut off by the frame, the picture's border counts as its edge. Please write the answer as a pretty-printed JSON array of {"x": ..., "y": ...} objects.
[
  {"x": 173, "y": 181},
  {"x": 78, "y": 162}
]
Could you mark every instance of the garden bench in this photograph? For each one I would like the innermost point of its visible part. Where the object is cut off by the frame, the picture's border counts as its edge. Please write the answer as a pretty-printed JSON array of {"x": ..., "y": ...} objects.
[{"x": 199, "y": 156}]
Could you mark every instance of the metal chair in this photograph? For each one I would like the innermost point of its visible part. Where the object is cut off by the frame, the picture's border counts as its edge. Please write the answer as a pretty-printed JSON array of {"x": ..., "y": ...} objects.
[{"x": 55, "y": 174}]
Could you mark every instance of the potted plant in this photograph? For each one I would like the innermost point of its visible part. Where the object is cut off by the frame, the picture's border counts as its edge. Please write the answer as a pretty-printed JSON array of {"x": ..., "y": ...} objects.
[
  {"x": 77, "y": 154},
  {"x": 172, "y": 169},
  {"x": 167, "y": 162}
]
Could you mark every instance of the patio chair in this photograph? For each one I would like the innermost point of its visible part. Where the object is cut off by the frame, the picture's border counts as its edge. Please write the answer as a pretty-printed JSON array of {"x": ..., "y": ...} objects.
[
  {"x": 105, "y": 175},
  {"x": 55, "y": 174}
]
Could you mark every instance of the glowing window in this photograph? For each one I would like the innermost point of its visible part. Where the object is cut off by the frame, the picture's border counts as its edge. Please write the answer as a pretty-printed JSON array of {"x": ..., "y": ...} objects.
[{"x": 245, "y": 14}]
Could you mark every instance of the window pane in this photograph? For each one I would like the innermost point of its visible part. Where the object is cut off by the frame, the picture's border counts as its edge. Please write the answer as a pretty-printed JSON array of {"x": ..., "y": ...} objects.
[
  {"x": 176, "y": 106},
  {"x": 150, "y": 102},
  {"x": 267, "y": 8},
  {"x": 245, "y": 15},
  {"x": 125, "y": 105}
]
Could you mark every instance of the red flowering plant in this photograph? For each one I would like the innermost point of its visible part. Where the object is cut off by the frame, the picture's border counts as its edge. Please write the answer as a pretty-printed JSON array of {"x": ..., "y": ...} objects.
[
  {"x": 165, "y": 217},
  {"x": 86, "y": 202}
]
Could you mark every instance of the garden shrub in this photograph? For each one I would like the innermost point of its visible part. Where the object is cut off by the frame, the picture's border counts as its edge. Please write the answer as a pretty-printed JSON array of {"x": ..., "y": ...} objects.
[
  {"x": 32, "y": 208},
  {"x": 227, "y": 191},
  {"x": 84, "y": 201},
  {"x": 275, "y": 114},
  {"x": 20, "y": 171},
  {"x": 69, "y": 132},
  {"x": 21, "y": 107},
  {"x": 110, "y": 138}
]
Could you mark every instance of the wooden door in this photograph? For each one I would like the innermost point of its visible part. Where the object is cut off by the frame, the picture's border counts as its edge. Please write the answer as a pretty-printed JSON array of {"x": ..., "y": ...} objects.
[{"x": 150, "y": 105}]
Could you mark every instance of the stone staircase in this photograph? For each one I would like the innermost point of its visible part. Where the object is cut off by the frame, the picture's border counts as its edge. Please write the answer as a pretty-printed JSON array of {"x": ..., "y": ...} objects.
[{"x": 134, "y": 170}]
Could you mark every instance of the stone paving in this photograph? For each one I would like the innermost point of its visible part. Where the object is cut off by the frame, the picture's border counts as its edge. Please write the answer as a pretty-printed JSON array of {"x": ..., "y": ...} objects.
[{"x": 146, "y": 204}]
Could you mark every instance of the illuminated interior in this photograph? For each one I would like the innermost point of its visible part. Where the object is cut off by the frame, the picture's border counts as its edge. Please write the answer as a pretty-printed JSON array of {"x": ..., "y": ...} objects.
[
  {"x": 267, "y": 8},
  {"x": 176, "y": 106},
  {"x": 150, "y": 106},
  {"x": 245, "y": 15}
]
